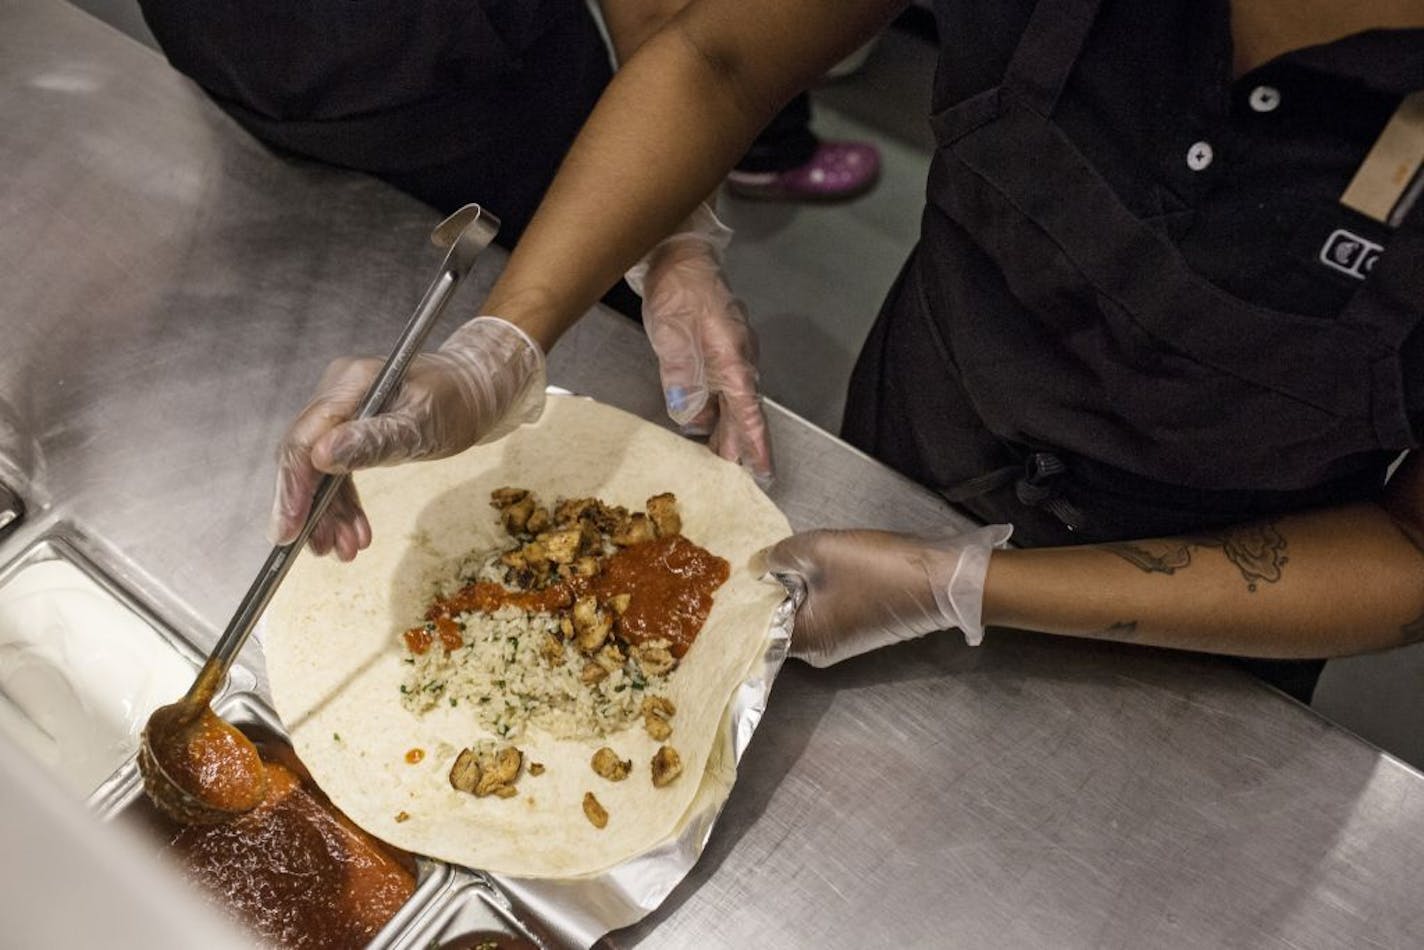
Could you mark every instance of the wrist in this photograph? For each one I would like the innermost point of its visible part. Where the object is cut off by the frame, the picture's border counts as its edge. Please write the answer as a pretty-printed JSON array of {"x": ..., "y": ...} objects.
[
  {"x": 500, "y": 370},
  {"x": 962, "y": 598},
  {"x": 531, "y": 310},
  {"x": 1002, "y": 581},
  {"x": 700, "y": 233}
]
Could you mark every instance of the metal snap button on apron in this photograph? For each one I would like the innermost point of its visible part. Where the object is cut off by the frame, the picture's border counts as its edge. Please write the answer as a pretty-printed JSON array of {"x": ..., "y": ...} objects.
[
  {"x": 1264, "y": 98},
  {"x": 1199, "y": 156}
]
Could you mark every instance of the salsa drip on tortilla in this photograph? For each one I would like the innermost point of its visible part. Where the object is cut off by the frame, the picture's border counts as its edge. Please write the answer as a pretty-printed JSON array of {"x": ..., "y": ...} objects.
[{"x": 629, "y": 579}]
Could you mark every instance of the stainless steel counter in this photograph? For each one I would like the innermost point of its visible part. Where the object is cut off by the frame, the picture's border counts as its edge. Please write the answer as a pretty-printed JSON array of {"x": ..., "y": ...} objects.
[{"x": 169, "y": 292}]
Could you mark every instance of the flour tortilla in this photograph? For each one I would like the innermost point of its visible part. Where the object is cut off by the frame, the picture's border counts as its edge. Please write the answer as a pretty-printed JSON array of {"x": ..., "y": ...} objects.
[{"x": 332, "y": 639}]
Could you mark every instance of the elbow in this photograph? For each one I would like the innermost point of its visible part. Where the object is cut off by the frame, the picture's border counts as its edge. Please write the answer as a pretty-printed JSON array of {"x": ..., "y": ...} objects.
[{"x": 728, "y": 70}]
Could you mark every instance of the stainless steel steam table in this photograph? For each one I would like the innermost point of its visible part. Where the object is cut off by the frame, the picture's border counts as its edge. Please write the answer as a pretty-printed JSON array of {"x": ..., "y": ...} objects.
[{"x": 169, "y": 292}]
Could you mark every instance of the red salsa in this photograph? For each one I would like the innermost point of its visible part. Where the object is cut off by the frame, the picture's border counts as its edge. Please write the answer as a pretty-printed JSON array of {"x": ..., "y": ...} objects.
[
  {"x": 669, "y": 582},
  {"x": 211, "y": 761},
  {"x": 295, "y": 870}
]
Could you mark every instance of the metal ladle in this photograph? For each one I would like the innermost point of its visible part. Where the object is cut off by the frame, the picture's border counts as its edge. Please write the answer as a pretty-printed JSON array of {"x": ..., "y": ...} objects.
[{"x": 196, "y": 767}]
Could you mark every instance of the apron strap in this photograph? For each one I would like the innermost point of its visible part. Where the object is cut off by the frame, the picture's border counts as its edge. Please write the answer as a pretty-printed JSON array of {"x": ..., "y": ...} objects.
[
  {"x": 1048, "y": 51},
  {"x": 1037, "y": 72},
  {"x": 1036, "y": 484}
]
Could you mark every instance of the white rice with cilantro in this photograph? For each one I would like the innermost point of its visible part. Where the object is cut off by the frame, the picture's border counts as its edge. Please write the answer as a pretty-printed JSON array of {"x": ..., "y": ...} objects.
[{"x": 500, "y": 674}]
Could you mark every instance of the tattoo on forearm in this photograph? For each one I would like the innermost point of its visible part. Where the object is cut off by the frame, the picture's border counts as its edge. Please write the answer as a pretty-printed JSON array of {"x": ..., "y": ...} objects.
[
  {"x": 1257, "y": 550},
  {"x": 1153, "y": 557},
  {"x": 1414, "y": 630}
]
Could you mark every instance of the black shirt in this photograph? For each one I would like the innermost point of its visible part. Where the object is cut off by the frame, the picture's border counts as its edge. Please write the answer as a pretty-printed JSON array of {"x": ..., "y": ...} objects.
[
  {"x": 1284, "y": 140},
  {"x": 1121, "y": 267},
  {"x": 452, "y": 100}
]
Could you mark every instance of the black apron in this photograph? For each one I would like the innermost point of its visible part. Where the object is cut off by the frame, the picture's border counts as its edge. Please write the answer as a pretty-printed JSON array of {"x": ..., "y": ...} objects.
[
  {"x": 1117, "y": 394},
  {"x": 451, "y": 100}
]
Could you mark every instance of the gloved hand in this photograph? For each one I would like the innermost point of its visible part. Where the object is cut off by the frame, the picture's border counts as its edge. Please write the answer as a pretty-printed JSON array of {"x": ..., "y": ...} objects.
[
  {"x": 704, "y": 344},
  {"x": 869, "y": 589},
  {"x": 484, "y": 382}
]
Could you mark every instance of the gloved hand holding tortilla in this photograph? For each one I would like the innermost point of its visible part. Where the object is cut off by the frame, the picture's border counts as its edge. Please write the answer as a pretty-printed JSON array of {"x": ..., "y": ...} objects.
[{"x": 350, "y": 647}]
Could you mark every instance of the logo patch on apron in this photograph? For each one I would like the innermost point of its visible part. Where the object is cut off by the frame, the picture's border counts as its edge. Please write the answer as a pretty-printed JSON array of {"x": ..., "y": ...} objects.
[{"x": 1350, "y": 254}]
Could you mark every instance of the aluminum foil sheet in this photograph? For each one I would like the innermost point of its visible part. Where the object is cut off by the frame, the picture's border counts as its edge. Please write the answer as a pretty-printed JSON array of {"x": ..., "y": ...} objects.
[{"x": 578, "y": 912}]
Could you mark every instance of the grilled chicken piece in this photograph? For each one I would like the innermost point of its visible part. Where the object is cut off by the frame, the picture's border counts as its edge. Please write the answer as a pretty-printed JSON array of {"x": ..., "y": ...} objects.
[
  {"x": 590, "y": 539},
  {"x": 592, "y": 673},
  {"x": 586, "y": 566},
  {"x": 638, "y": 529},
  {"x": 619, "y": 603},
  {"x": 667, "y": 765},
  {"x": 502, "y": 498},
  {"x": 530, "y": 564},
  {"x": 465, "y": 773},
  {"x": 654, "y": 657},
  {"x": 568, "y": 511},
  {"x": 610, "y": 658},
  {"x": 595, "y": 812},
  {"x": 539, "y": 521},
  {"x": 657, "y": 728},
  {"x": 551, "y": 650},
  {"x": 657, "y": 710},
  {"x": 662, "y": 509},
  {"x": 485, "y": 769},
  {"x": 500, "y": 773},
  {"x": 607, "y": 764},
  {"x": 516, "y": 515},
  {"x": 590, "y": 624},
  {"x": 659, "y": 706},
  {"x": 609, "y": 518},
  {"x": 562, "y": 544}
]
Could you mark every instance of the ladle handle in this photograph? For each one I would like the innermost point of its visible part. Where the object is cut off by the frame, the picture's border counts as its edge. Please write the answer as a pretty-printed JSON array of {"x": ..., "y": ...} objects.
[{"x": 476, "y": 229}]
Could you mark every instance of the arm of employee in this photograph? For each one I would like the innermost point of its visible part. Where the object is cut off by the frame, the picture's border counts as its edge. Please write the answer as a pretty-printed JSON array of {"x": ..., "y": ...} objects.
[
  {"x": 674, "y": 120},
  {"x": 1323, "y": 583}
]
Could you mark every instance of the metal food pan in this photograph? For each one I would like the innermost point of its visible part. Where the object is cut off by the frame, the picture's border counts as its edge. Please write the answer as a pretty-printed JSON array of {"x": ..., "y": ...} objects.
[
  {"x": 11, "y": 510},
  {"x": 259, "y": 722},
  {"x": 61, "y": 543},
  {"x": 471, "y": 908}
]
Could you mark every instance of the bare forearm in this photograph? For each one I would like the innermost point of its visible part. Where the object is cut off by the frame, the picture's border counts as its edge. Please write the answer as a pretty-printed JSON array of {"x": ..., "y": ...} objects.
[
  {"x": 632, "y": 22},
  {"x": 628, "y": 180},
  {"x": 1325, "y": 583},
  {"x": 675, "y": 118}
]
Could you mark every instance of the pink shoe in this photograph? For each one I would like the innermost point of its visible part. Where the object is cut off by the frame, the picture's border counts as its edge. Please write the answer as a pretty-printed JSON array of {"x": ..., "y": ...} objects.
[{"x": 837, "y": 171}]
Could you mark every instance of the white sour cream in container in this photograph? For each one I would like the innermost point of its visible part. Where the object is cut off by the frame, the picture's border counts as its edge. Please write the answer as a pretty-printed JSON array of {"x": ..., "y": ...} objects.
[{"x": 79, "y": 672}]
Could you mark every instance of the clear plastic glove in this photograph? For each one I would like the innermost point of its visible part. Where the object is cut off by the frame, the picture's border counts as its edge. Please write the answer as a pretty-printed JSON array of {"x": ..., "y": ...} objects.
[
  {"x": 705, "y": 346},
  {"x": 484, "y": 382},
  {"x": 869, "y": 589}
]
